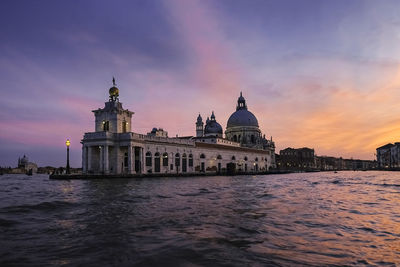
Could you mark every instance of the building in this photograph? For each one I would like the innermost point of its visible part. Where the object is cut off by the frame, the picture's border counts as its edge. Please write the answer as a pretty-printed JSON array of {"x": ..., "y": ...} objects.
[
  {"x": 114, "y": 149},
  {"x": 24, "y": 166},
  {"x": 388, "y": 156},
  {"x": 297, "y": 159},
  {"x": 383, "y": 156},
  {"x": 326, "y": 163}
]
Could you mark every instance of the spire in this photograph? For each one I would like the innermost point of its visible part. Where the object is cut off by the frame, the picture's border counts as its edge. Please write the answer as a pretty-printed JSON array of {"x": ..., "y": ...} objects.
[
  {"x": 212, "y": 116},
  {"x": 115, "y": 84},
  {"x": 208, "y": 119},
  {"x": 241, "y": 102}
]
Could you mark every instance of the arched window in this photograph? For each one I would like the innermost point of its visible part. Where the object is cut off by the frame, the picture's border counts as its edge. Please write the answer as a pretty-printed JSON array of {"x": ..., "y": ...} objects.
[
  {"x": 124, "y": 124},
  {"x": 148, "y": 159},
  {"x": 253, "y": 140},
  {"x": 256, "y": 159},
  {"x": 239, "y": 138},
  {"x": 190, "y": 160},
  {"x": 235, "y": 138},
  {"x": 177, "y": 160},
  {"x": 245, "y": 158},
  {"x": 233, "y": 158},
  {"x": 219, "y": 157},
  {"x": 165, "y": 159},
  {"x": 202, "y": 156}
]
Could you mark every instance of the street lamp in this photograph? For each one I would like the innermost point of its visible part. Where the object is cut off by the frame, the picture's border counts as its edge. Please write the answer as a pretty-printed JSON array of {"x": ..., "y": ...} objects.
[{"x": 68, "y": 143}]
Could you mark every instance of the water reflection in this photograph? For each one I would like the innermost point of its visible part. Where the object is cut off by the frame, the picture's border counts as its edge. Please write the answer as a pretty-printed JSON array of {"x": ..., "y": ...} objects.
[{"x": 347, "y": 218}]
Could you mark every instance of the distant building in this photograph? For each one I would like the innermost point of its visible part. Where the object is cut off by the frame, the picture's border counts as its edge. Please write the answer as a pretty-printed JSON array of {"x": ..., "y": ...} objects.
[
  {"x": 395, "y": 155},
  {"x": 388, "y": 156},
  {"x": 25, "y": 166},
  {"x": 326, "y": 163},
  {"x": 297, "y": 159},
  {"x": 383, "y": 156}
]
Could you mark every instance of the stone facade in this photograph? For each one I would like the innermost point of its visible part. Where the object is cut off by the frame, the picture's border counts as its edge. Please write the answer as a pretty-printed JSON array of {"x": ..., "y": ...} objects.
[{"x": 114, "y": 149}]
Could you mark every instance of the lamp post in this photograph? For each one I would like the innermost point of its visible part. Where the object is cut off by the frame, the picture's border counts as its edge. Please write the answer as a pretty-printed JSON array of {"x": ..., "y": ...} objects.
[{"x": 68, "y": 144}]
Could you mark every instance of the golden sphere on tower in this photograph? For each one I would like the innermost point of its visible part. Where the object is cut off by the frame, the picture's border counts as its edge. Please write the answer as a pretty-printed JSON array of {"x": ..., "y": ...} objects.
[{"x": 114, "y": 91}]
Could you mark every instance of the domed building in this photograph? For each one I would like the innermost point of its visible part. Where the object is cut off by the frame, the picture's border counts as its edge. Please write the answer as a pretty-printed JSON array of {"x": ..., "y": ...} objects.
[
  {"x": 213, "y": 128},
  {"x": 113, "y": 148},
  {"x": 242, "y": 126}
]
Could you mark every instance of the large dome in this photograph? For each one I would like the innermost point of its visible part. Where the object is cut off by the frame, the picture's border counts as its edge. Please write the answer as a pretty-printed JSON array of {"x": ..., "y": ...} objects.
[{"x": 242, "y": 117}]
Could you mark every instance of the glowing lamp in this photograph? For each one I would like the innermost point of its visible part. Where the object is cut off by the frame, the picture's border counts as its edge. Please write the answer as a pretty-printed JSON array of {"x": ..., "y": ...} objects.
[{"x": 68, "y": 143}]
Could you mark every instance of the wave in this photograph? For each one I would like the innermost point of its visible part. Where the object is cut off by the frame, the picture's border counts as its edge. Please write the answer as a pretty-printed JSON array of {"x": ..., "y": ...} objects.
[{"x": 43, "y": 206}]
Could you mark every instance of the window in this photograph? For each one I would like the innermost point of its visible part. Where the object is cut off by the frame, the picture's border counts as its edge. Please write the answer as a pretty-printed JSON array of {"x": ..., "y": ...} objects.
[
  {"x": 233, "y": 158},
  {"x": 190, "y": 160},
  {"x": 245, "y": 158},
  {"x": 253, "y": 140},
  {"x": 219, "y": 157},
  {"x": 235, "y": 138},
  {"x": 202, "y": 156},
  {"x": 124, "y": 124},
  {"x": 256, "y": 159},
  {"x": 177, "y": 160},
  {"x": 148, "y": 159},
  {"x": 106, "y": 125},
  {"x": 165, "y": 159}
]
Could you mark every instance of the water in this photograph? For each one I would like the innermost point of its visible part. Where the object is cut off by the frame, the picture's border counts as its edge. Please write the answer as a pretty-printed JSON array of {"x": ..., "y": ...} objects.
[{"x": 345, "y": 218}]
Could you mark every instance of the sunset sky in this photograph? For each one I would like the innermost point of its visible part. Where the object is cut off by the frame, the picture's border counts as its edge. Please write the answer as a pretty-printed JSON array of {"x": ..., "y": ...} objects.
[{"x": 321, "y": 74}]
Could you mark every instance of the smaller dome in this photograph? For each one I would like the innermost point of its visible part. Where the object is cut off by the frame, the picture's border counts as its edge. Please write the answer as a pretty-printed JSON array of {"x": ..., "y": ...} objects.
[
  {"x": 212, "y": 127},
  {"x": 114, "y": 91}
]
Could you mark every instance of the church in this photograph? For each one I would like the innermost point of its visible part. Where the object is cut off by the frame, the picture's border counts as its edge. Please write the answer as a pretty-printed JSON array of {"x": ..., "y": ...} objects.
[{"x": 114, "y": 149}]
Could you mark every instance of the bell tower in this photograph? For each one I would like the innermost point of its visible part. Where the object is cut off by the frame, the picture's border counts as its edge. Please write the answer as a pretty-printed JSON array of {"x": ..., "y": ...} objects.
[
  {"x": 199, "y": 126},
  {"x": 113, "y": 118}
]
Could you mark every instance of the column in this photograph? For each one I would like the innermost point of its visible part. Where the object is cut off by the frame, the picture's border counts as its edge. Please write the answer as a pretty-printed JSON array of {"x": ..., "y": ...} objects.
[
  {"x": 117, "y": 167},
  {"x": 101, "y": 160},
  {"x": 89, "y": 158},
  {"x": 142, "y": 160},
  {"x": 133, "y": 159},
  {"x": 130, "y": 171},
  {"x": 106, "y": 161},
  {"x": 84, "y": 159}
]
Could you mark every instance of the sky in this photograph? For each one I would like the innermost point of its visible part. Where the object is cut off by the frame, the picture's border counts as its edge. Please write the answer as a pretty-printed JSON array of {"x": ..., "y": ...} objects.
[{"x": 316, "y": 73}]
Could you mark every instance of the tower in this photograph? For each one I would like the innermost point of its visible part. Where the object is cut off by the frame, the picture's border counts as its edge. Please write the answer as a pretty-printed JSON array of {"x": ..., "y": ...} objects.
[
  {"x": 113, "y": 118},
  {"x": 199, "y": 126}
]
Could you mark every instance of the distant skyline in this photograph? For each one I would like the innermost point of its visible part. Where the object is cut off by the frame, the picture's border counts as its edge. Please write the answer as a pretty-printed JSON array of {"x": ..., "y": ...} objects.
[{"x": 316, "y": 73}]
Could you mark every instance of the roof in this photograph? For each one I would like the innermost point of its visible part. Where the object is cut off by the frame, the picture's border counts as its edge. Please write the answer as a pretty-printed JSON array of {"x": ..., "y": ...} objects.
[
  {"x": 385, "y": 146},
  {"x": 242, "y": 117},
  {"x": 234, "y": 148}
]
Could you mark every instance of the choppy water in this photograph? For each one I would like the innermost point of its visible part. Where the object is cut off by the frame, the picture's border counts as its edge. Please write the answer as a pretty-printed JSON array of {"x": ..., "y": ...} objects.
[{"x": 347, "y": 218}]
